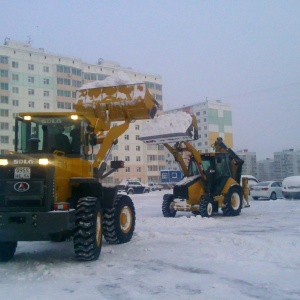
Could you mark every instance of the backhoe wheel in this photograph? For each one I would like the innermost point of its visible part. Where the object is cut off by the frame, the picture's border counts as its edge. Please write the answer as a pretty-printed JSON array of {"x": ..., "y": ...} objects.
[
  {"x": 168, "y": 206},
  {"x": 119, "y": 221},
  {"x": 233, "y": 202},
  {"x": 7, "y": 250},
  {"x": 88, "y": 229},
  {"x": 206, "y": 206}
]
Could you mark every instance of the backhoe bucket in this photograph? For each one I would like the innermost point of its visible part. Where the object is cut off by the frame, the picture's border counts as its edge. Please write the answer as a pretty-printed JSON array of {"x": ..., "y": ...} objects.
[
  {"x": 117, "y": 103},
  {"x": 170, "y": 128}
]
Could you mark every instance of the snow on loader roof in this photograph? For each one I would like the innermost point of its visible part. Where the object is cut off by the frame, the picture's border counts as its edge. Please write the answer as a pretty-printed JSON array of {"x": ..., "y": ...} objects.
[{"x": 170, "y": 128}]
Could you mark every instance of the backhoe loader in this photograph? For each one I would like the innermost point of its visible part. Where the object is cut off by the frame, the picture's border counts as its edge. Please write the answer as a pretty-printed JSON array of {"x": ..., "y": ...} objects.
[
  {"x": 51, "y": 188},
  {"x": 211, "y": 180}
]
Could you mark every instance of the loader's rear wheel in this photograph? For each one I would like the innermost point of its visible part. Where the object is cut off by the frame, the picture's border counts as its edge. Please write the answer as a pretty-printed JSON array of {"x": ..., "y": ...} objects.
[
  {"x": 168, "y": 206},
  {"x": 233, "y": 202},
  {"x": 88, "y": 229},
  {"x": 7, "y": 250},
  {"x": 206, "y": 206},
  {"x": 119, "y": 221}
]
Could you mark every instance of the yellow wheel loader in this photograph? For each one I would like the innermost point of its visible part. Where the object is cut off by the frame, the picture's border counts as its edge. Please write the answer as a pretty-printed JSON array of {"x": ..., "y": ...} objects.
[
  {"x": 51, "y": 187},
  {"x": 211, "y": 180}
]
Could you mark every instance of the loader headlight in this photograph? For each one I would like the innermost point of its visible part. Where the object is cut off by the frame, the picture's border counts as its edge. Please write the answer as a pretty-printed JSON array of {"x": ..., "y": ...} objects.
[
  {"x": 3, "y": 162},
  {"x": 43, "y": 161},
  {"x": 74, "y": 117},
  {"x": 27, "y": 118}
]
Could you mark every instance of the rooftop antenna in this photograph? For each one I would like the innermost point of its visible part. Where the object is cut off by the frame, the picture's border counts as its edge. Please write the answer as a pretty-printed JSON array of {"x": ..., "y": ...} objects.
[{"x": 29, "y": 39}]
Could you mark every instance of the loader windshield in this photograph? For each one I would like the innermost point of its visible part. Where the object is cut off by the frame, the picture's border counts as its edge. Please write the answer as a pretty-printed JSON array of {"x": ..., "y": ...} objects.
[{"x": 47, "y": 134}]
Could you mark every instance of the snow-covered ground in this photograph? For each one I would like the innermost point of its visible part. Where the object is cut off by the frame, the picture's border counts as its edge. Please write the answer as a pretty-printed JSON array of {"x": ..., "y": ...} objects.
[{"x": 253, "y": 256}]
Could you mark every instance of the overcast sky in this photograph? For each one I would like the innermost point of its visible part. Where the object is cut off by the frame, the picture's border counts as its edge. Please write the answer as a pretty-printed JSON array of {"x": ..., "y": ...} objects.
[{"x": 242, "y": 52}]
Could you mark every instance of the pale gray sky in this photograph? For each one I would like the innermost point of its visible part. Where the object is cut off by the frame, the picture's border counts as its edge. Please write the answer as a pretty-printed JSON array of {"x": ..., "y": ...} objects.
[{"x": 242, "y": 52}]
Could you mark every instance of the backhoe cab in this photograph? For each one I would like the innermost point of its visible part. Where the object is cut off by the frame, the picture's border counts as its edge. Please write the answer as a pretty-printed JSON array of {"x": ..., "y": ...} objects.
[{"x": 211, "y": 180}]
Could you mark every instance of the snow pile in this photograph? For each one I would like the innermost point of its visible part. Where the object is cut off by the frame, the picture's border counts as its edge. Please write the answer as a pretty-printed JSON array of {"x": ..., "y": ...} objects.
[
  {"x": 121, "y": 78},
  {"x": 167, "y": 128}
]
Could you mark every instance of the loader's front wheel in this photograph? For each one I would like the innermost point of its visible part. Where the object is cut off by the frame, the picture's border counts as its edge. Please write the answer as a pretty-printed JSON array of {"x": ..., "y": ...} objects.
[
  {"x": 119, "y": 221},
  {"x": 7, "y": 250},
  {"x": 233, "y": 202},
  {"x": 168, "y": 206},
  {"x": 88, "y": 229},
  {"x": 206, "y": 206}
]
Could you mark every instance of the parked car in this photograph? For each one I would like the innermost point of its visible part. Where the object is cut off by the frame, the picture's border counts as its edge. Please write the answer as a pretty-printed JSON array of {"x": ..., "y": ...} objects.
[
  {"x": 291, "y": 187},
  {"x": 267, "y": 189},
  {"x": 133, "y": 186},
  {"x": 251, "y": 181},
  {"x": 155, "y": 186}
]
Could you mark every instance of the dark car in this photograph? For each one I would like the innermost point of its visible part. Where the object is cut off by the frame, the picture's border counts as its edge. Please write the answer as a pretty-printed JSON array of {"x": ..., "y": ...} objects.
[{"x": 133, "y": 187}]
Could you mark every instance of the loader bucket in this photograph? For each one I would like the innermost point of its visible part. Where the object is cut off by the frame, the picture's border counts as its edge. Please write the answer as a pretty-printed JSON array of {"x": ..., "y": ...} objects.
[
  {"x": 131, "y": 101},
  {"x": 170, "y": 128}
]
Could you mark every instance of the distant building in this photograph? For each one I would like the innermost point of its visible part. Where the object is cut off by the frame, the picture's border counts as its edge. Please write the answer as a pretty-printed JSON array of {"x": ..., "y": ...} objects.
[
  {"x": 34, "y": 80},
  {"x": 214, "y": 120},
  {"x": 265, "y": 169},
  {"x": 286, "y": 163},
  {"x": 250, "y": 165}
]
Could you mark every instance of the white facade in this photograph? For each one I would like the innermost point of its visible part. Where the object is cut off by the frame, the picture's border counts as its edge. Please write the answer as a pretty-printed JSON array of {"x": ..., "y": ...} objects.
[
  {"x": 287, "y": 163},
  {"x": 250, "y": 164}
]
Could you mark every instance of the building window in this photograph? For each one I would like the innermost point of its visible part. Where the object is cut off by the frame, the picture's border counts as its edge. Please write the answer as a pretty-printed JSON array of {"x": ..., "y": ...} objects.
[
  {"x": 30, "y": 79},
  {"x": 46, "y": 81},
  {"x": 15, "y": 77},
  {"x": 127, "y": 169},
  {"x": 204, "y": 112},
  {"x": 30, "y": 91},
  {"x": 204, "y": 119},
  {"x": 198, "y": 113},
  {"x": 15, "y": 102},
  {"x": 4, "y": 99},
  {"x": 15, "y": 90},
  {"x": 138, "y": 158},
  {"x": 137, "y": 127},
  {"x": 4, "y": 86},
  {"x": 15, "y": 64},
  {"x": 160, "y": 147},
  {"x": 139, "y": 169},
  {"x": 30, "y": 67},
  {"x": 4, "y": 139},
  {"x": 127, "y": 158},
  {"x": 4, "y": 125},
  {"x": 4, "y": 112},
  {"x": 3, "y": 60},
  {"x": 126, "y": 137},
  {"x": 31, "y": 104},
  {"x": 3, "y": 73},
  {"x": 45, "y": 69},
  {"x": 138, "y": 148},
  {"x": 116, "y": 158},
  {"x": 137, "y": 137},
  {"x": 126, "y": 147},
  {"x": 46, "y": 105},
  {"x": 46, "y": 93}
]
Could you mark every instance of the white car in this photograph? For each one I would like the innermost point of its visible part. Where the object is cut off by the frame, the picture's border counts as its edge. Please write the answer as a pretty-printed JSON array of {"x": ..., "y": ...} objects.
[
  {"x": 267, "y": 189},
  {"x": 291, "y": 187}
]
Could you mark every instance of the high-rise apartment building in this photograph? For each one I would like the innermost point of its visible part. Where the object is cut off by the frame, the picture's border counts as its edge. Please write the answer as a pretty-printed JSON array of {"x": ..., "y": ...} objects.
[
  {"x": 287, "y": 163},
  {"x": 214, "y": 119},
  {"x": 33, "y": 80},
  {"x": 265, "y": 169},
  {"x": 250, "y": 164}
]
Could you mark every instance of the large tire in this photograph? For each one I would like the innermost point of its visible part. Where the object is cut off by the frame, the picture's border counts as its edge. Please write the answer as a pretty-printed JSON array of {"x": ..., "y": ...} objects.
[
  {"x": 206, "y": 206},
  {"x": 88, "y": 229},
  {"x": 167, "y": 206},
  {"x": 119, "y": 221},
  {"x": 7, "y": 250},
  {"x": 233, "y": 202},
  {"x": 273, "y": 196}
]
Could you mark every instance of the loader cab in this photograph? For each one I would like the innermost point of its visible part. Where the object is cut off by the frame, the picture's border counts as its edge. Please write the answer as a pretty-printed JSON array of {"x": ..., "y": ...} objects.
[
  {"x": 47, "y": 134},
  {"x": 217, "y": 170}
]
